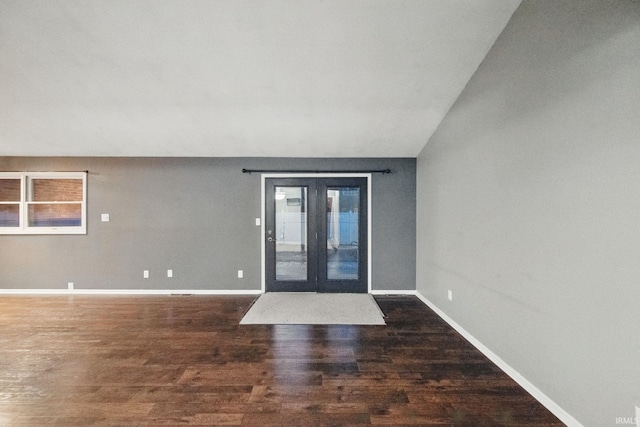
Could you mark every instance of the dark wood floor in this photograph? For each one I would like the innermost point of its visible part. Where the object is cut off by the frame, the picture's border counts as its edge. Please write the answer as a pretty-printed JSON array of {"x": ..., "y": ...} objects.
[{"x": 183, "y": 360}]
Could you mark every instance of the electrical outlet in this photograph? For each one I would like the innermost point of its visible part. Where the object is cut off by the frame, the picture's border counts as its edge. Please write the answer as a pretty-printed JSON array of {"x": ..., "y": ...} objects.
[
  {"x": 169, "y": 273},
  {"x": 240, "y": 274},
  {"x": 104, "y": 217},
  {"x": 450, "y": 295},
  {"x": 145, "y": 274},
  {"x": 70, "y": 286}
]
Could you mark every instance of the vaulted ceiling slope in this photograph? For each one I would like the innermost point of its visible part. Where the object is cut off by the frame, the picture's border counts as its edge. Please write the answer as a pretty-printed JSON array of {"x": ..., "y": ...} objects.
[{"x": 219, "y": 78}]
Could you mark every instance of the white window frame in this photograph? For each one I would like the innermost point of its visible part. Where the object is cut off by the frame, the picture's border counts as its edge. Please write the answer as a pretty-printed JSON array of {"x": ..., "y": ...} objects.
[{"x": 24, "y": 227}]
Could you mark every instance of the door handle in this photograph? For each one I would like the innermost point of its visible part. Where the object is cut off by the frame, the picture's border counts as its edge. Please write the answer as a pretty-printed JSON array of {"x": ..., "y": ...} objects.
[{"x": 271, "y": 239}]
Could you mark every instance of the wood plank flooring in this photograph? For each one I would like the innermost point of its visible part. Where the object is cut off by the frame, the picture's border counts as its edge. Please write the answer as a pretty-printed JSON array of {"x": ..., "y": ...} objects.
[{"x": 185, "y": 360}]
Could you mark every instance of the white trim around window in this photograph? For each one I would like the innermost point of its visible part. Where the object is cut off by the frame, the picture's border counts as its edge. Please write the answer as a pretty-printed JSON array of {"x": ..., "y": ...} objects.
[{"x": 43, "y": 203}]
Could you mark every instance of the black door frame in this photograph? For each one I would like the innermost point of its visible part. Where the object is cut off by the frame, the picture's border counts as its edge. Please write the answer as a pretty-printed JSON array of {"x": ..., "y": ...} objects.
[{"x": 331, "y": 180}]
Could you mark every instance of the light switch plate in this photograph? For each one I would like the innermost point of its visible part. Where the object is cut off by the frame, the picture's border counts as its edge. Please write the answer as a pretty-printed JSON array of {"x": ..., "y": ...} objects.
[{"x": 104, "y": 217}]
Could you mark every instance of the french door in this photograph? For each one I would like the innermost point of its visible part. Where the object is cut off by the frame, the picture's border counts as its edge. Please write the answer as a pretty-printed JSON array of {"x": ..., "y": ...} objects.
[{"x": 316, "y": 235}]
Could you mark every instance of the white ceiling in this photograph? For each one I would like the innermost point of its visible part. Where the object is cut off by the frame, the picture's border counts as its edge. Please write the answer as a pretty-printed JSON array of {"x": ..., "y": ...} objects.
[{"x": 277, "y": 78}]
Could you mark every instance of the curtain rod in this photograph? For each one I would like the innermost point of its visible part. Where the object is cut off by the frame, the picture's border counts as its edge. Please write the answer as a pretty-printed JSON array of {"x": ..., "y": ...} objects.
[{"x": 249, "y": 171}]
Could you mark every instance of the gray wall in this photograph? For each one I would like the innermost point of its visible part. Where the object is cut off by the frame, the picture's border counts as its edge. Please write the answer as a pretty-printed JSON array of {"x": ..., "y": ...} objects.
[
  {"x": 195, "y": 216},
  {"x": 529, "y": 205}
]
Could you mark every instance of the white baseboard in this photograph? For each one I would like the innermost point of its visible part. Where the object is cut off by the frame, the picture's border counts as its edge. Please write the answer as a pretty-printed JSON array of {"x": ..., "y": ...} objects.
[
  {"x": 393, "y": 292},
  {"x": 127, "y": 292},
  {"x": 555, "y": 409}
]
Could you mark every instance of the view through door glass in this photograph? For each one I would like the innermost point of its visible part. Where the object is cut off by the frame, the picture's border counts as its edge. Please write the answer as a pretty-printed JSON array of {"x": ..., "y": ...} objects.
[
  {"x": 316, "y": 235},
  {"x": 291, "y": 236},
  {"x": 343, "y": 206}
]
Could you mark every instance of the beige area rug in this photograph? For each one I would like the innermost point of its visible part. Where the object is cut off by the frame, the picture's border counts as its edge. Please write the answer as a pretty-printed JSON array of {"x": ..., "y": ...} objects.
[{"x": 301, "y": 308}]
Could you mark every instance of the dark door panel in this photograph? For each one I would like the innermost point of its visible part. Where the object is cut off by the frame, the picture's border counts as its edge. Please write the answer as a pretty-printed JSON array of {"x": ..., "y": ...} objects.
[
  {"x": 342, "y": 253},
  {"x": 291, "y": 248}
]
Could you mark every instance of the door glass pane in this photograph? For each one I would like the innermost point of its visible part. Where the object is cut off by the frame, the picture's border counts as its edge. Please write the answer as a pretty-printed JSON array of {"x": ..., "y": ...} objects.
[
  {"x": 291, "y": 233},
  {"x": 343, "y": 205}
]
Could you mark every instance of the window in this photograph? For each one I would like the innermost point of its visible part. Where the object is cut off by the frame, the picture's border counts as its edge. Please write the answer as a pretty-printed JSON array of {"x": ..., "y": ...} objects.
[{"x": 43, "y": 203}]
